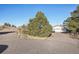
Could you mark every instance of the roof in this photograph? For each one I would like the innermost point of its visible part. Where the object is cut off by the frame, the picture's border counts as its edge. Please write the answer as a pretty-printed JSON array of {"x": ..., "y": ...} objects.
[{"x": 58, "y": 26}]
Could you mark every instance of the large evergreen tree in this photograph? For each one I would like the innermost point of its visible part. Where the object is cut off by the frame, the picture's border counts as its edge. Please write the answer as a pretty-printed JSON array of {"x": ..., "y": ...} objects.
[
  {"x": 72, "y": 23},
  {"x": 39, "y": 26}
]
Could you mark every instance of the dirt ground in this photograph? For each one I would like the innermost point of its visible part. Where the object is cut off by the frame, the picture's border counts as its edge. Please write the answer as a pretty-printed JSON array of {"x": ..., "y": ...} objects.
[{"x": 59, "y": 43}]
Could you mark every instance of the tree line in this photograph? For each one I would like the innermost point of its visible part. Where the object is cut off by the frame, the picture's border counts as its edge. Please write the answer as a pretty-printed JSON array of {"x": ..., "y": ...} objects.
[{"x": 6, "y": 25}]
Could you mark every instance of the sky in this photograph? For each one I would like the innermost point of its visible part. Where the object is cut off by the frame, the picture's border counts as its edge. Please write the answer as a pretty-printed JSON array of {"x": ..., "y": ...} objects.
[{"x": 19, "y": 14}]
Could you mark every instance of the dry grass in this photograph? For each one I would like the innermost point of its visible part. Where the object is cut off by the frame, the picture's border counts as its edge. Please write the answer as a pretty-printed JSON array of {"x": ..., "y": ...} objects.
[{"x": 37, "y": 38}]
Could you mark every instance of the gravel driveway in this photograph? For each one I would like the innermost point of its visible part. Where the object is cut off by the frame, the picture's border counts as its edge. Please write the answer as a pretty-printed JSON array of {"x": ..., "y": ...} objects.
[{"x": 60, "y": 43}]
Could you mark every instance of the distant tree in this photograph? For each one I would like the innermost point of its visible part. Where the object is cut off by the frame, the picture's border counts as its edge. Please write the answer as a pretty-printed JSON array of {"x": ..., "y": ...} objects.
[
  {"x": 24, "y": 26},
  {"x": 13, "y": 26},
  {"x": 39, "y": 26},
  {"x": 30, "y": 20},
  {"x": 7, "y": 24}
]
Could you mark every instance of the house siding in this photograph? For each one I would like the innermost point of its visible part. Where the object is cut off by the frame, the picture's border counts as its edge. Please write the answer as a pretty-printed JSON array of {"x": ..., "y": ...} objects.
[{"x": 59, "y": 29}]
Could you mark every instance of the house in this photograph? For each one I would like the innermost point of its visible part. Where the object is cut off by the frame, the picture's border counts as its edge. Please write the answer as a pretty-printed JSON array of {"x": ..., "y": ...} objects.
[{"x": 59, "y": 28}]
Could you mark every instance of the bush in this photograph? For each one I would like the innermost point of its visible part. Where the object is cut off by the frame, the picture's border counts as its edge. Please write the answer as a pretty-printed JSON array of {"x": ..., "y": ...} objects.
[{"x": 39, "y": 26}]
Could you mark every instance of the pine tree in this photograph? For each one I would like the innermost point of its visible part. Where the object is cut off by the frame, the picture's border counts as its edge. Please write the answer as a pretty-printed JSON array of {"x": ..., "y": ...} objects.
[
  {"x": 72, "y": 23},
  {"x": 39, "y": 26}
]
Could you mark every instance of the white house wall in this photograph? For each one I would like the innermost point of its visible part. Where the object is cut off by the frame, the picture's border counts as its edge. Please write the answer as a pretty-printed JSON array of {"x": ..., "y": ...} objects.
[{"x": 59, "y": 29}]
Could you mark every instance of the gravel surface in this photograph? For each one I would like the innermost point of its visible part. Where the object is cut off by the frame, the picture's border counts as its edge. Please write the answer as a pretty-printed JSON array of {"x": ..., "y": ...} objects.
[{"x": 60, "y": 43}]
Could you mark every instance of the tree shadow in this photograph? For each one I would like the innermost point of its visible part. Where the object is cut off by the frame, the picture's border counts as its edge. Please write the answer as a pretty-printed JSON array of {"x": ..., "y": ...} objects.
[
  {"x": 6, "y": 32},
  {"x": 3, "y": 48},
  {"x": 50, "y": 35}
]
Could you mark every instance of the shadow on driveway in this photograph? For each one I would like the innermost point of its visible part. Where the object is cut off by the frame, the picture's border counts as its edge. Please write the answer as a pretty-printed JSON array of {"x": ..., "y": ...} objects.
[
  {"x": 6, "y": 32},
  {"x": 3, "y": 48}
]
